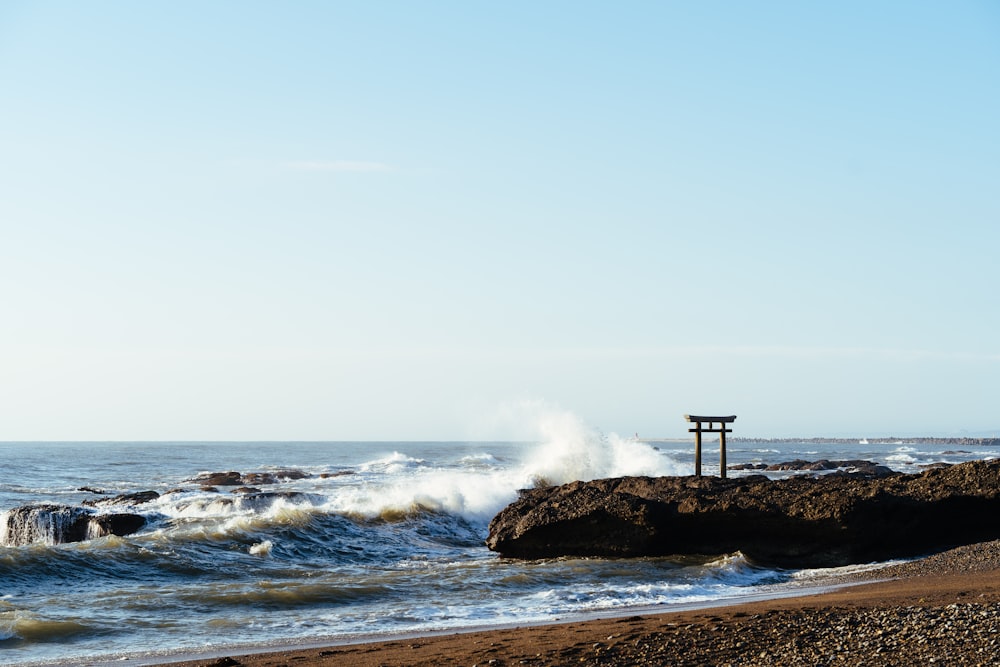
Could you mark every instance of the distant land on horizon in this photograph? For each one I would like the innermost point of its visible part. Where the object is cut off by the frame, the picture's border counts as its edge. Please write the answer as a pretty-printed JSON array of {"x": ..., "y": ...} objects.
[
  {"x": 972, "y": 441},
  {"x": 892, "y": 440}
]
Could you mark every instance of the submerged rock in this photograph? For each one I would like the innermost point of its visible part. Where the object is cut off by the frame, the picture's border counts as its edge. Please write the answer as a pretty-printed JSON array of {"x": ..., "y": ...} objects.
[
  {"x": 820, "y": 521},
  {"x": 56, "y": 524}
]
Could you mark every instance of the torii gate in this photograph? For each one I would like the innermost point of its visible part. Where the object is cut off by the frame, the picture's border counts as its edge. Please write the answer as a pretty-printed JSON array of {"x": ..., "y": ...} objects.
[{"x": 722, "y": 431}]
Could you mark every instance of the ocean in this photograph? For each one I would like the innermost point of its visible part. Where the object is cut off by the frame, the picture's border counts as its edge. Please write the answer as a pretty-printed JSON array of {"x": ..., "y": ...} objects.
[{"x": 361, "y": 540}]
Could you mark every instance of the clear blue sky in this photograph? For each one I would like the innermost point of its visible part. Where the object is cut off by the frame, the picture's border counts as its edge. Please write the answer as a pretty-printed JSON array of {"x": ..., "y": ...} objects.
[{"x": 394, "y": 220}]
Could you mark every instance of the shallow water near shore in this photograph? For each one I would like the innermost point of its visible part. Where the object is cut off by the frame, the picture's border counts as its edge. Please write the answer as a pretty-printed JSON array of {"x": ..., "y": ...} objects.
[{"x": 375, "y": 539}]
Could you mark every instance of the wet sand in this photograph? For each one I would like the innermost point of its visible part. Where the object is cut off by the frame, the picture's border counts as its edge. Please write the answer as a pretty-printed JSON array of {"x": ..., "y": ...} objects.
[{"x": 943, "y": 609}]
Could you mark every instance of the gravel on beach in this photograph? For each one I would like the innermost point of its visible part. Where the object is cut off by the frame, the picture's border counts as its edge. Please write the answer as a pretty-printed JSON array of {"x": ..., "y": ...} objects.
[{"x": 957, "y": 634}]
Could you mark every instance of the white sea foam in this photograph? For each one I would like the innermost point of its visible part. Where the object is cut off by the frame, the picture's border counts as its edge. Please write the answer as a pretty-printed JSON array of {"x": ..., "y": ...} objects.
[
  {"x": 727, "y": 577},
  {"x": 262, "y": 548},
  {"x": 394, "y": 463},
  {"x": 484, "y": 458},
  {"x": 571, "y": 450},
  {"x": 474, "y": 486},
  {"x": 808, "y": 575},
  {"x": 475, "y": 494},
  {"x": 212, "y": 505},
  {"x": 567, "y": 449}
]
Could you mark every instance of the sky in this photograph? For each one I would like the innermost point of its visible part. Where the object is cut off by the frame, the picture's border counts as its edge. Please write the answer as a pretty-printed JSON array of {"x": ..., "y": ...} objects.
[{"x": 433, "y": 220}]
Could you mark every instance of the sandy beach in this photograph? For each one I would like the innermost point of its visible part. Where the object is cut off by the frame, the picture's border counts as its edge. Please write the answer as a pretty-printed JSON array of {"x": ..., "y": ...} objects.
[{"x": 942, "y": 609}]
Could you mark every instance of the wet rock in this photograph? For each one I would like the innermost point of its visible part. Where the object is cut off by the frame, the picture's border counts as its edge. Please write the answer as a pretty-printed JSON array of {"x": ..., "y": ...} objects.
[
  {"x": 823, "y": 466},
  {"x": 802, "y": 521},
  {"x": 800, "y": 464},
  {"x": 258, "y": 478},
  {"x": 57, "y": 524},
  {"x": 259, "y": 500},
  {"x": 115, "y": 524},
  {"x": 853, "y": 466},
  {"x": 289, "y": 474},
  {"x": 248, "y": 479},
  {"x": 747, "y": 466},
  {"x": 51, "y": 524},
  {"x": 220, "y": 479},
  {"x": 870, "y": 470},
  {"x": 137, "y": 498}
]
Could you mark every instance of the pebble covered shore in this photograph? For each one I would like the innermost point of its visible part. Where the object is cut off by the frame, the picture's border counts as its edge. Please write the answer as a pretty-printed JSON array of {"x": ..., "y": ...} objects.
[{"x": 956, "y": 634}]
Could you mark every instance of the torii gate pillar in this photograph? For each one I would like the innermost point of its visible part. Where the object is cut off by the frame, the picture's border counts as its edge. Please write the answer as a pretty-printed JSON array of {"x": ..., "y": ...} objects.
[{"x": 721, "y": 430}]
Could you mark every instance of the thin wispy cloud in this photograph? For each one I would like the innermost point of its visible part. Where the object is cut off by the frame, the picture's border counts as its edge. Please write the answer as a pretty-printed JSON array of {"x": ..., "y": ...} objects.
[{"x": 349, "y": 166}]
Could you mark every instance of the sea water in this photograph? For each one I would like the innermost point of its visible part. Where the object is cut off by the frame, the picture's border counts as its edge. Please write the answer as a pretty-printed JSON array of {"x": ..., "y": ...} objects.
[{"x": 379, "y": 539}]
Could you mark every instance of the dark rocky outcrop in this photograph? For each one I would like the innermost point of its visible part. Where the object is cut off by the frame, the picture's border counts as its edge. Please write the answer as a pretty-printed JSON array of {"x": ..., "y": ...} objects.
[
  {"x": 56, "y": 524},
  {"x": 337, "y": 473},
  {"x": 124, "y": 499},
  {"x": 248, "y": 479},
  {"x": 803, "y": 521},
  {"x": 220, "y": 479}
]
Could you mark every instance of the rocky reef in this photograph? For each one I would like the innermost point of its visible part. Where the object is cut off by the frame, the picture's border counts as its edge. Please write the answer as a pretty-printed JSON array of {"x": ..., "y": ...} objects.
[
  {"x": 802, "y": 521},
  {"x": 49, "y": 523},
  {"x": 233, "y": 478},
  {"x": 851, "y": 467}
]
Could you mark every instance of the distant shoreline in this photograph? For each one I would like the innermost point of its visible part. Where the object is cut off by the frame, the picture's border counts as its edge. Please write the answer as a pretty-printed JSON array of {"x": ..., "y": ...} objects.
[{"x": 962, "y": 442}]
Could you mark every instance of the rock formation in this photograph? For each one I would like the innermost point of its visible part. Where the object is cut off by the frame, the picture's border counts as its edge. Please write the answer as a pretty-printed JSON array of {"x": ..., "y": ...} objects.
[
  {"x": 124, "y": 499},
  {"x": 55, "y": 524},
  {"x": 805, "y": 521},
  {"x": 233, "y": 478}
]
